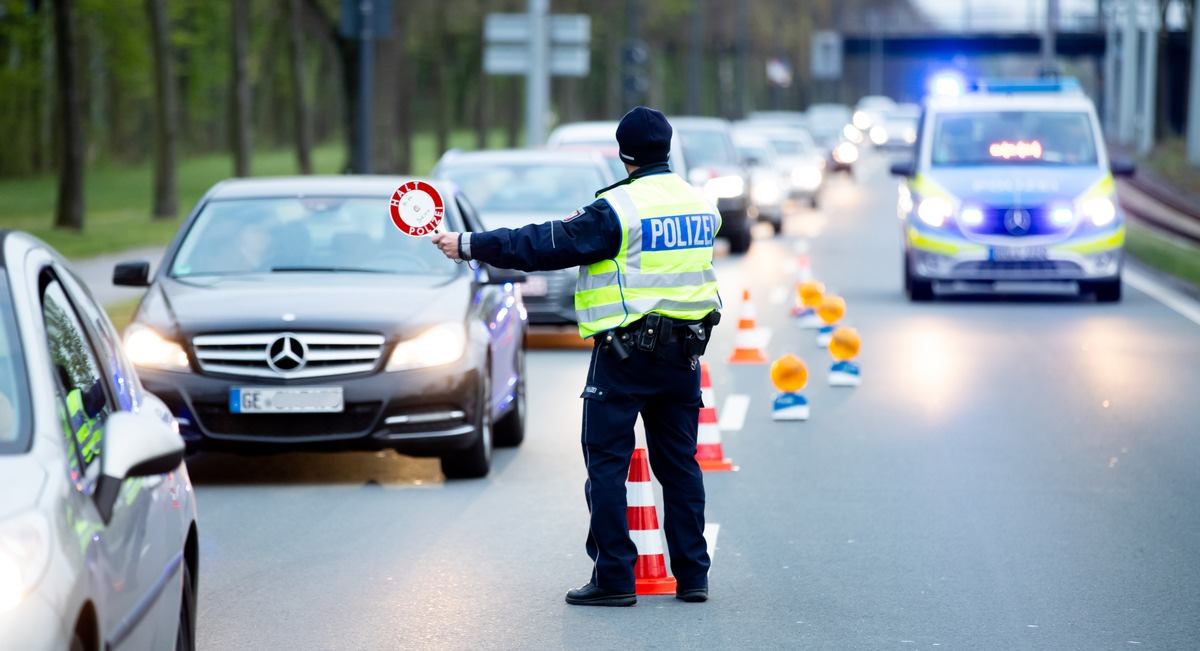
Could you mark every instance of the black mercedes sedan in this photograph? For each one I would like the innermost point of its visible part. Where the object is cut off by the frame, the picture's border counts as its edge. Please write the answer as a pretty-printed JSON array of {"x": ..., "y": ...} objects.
[{"x": 290, "y": 313}]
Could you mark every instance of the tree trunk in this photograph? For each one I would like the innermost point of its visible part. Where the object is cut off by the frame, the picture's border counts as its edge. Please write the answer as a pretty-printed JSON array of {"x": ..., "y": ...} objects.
[
  {"x": 69, "y": 212},
  {"x": 241, "y": 127},
  {"x": 299, "y": 96},
  {"x": 167, "y": 113}
]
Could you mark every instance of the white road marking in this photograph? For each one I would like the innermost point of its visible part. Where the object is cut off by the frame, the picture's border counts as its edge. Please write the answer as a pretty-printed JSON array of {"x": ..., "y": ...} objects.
[
  {"x": 1185, "y": 306},
  {"x": 711, "y": 529},
  {"x": 733, "y": 414}
]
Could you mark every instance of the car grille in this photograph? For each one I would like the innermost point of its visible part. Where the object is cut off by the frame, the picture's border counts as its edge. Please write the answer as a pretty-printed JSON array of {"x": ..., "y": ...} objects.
[
  {"x": 1018, "y": 269},
  {"x": 218, "y": 421},
  {"x": 292, "y": 355}
]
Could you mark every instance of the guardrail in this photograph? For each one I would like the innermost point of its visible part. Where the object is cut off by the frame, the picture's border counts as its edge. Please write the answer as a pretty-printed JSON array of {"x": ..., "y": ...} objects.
[{"x": 1160, "y": 207}]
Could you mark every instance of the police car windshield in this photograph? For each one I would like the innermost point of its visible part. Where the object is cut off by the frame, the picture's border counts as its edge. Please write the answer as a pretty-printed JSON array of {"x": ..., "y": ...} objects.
[
  {"x": 1013, "y": 138},
  {"x": 290, "y": 234},
  {"x": 528, "y": 188},
  {"x": 15, "y": 424}
]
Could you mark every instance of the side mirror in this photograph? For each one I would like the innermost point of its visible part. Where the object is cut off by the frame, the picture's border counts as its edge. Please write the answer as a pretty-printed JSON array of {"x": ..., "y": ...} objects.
[
  {"x": 1122, "y": 167},
  {"x": 751, "y": 161},
  {"x": 135, "y": 445},
  {"x": 904, "y": 168},
  {"x": 132, "y": 274},
  {"x": 498, "y": 276}
]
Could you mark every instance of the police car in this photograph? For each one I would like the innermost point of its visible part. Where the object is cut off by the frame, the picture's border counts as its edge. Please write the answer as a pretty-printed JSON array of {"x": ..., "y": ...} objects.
[{"x": 1011, "y": 190}]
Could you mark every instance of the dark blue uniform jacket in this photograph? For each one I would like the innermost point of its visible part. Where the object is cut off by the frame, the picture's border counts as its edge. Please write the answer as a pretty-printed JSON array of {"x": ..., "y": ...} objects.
[{"x": 592, "y": 234}]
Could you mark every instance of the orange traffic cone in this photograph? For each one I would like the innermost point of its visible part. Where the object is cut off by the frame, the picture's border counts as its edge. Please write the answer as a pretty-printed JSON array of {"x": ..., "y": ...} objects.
[
  {"x": 708, "y": 443},
  {"x": 651, "y": 569},
  {"x": 745, "y": 341},
  {"x": 707, "y": 397}
]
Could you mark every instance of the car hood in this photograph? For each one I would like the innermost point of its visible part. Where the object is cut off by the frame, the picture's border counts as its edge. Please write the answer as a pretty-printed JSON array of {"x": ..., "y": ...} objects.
[
  {"x": 21, "y": 483},
  {"x": 356, "y": 302},
  {"x": 1009, "y": 185}
]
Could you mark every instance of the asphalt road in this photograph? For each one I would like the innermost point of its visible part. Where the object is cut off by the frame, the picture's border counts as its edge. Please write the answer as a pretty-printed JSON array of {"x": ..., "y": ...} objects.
[{"x": 1012, "y": 474}]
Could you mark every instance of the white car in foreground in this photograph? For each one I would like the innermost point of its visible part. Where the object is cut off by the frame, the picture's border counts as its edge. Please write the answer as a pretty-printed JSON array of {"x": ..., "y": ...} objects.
[{"x": 98, "y": 542}]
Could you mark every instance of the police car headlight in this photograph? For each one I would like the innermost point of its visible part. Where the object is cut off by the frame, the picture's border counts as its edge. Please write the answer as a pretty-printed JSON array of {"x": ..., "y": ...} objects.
[
  {"x": 934, "y": 211},
  {"x": 24, "y": 555},
  {"x": 441, "y": 344},
  {"x": 724, "y": 187},
  {"x": 146, "y": 347},
  {"x": 1100, "y": 210}
]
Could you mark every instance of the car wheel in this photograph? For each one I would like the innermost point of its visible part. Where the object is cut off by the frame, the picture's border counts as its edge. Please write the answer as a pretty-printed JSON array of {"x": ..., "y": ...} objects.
[
  {"x": 777, "y": 225},
  {"x": 476, "y": 460},
  {"x": 919, "y": 291},
  {"x": 510, "y": 429},
  {"x": 1107, "y": 291},
  {"x": 812, "y": 202},
  {"x": 186, "y": 638}
]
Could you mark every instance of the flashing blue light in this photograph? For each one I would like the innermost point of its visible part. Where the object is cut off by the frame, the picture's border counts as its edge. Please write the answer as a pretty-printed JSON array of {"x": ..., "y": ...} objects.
[
  {"x": 1060, "y": 85},
  {"x": 947, "y": 85}
]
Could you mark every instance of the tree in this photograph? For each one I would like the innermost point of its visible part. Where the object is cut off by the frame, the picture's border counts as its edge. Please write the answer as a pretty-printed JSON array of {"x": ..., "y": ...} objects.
[
  {"x": 299, "y": 99},
  {"x": 241, "y": 125},
  {"x": 166, "y": 117},
  {"x": 69, "y": 212}
]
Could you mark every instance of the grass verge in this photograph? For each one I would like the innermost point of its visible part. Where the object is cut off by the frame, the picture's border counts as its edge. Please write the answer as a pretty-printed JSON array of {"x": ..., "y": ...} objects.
[{"x": 1165, "y": 254}]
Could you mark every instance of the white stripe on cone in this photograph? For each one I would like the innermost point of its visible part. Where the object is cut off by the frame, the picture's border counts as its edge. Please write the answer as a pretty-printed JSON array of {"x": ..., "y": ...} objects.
[
  {"x": 708, "y": 433},
  {"x": 648, "y": 541},
  {"x": 639, "y": 493}
]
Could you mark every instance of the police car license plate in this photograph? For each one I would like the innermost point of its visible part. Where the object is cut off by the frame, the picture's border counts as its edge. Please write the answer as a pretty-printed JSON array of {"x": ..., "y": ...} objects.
[
  {"x": 1018, "y": 253},
  {"x": 534, "y": 286},
  {"x": 299, "y": 400}
]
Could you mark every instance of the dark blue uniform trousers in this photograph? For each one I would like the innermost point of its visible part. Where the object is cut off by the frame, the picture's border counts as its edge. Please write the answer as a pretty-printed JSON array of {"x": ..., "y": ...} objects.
[{"x": 666, "y": 392}]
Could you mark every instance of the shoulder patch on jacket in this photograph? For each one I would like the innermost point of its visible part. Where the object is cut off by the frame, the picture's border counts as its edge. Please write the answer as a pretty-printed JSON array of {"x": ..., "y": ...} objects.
[{"x": 574, "y": 215}]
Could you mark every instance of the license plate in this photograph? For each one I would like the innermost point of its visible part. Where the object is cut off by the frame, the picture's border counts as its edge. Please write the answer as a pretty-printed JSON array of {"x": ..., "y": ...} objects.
[
  {"x": 534, "y": 286},
  {"x": 299, "y": 400},
  {"x": 1018, "y": 253}
]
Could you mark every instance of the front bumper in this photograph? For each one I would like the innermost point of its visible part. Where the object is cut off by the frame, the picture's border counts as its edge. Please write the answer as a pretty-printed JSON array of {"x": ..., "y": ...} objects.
[
  {"x": 942, "y": 257},
  {"x": 421, "y": 412}
]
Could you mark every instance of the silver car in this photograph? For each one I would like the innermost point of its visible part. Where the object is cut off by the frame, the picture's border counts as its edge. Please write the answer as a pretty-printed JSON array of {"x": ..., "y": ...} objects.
[
  {"x": 514, "y": 187},
  {"x": 98, "y": 542}
]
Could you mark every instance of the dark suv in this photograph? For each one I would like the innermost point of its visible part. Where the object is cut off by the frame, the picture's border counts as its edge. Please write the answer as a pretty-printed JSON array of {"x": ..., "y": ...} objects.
[{"x": 715, "y": 168}]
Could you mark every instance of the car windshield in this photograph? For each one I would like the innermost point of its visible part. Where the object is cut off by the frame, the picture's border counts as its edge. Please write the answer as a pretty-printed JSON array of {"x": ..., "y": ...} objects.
[
  {"x": 556, "y": 187},
  {"x": 1013, "y": 138},
  {"x": 707, "y": 147},
  {"x": 14, "y": 399},
  {"x": 285, "y": 234},
  {"x": 792, "y": 146}
]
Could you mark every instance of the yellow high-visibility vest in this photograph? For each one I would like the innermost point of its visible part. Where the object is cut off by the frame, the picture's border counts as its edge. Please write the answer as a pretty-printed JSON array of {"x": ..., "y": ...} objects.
[{"x": 664, "y": 264}]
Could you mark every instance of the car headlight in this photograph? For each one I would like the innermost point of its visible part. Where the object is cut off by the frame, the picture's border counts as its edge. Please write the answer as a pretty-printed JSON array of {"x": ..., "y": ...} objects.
[
  {"x": 845, "y": 153},
  {"x": 852, "y": 133},
  {"x": 146, "y": 347},
  {"x": 724, "y": 187},
  {"x": 765, "y": 192},
  {"x": 1100, "y": 210},
  {"x": 807, "y": 178},
  {"x": 972, "y": 216},
  {"x": 934, "y": 211},
  {"x": 861, "y": 120},
  {"x": 24, "y": 555},
  {"x": 879, "y": 135},
  {"x": 441, "y": 344}
]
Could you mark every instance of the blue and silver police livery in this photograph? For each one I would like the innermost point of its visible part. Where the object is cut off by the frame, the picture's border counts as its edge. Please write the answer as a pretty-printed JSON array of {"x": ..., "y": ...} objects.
[{"x": 1011, "y": 189}]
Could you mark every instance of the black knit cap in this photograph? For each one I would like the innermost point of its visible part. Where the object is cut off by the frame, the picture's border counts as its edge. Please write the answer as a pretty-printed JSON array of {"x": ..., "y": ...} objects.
[{"x": 644, "y": 137}]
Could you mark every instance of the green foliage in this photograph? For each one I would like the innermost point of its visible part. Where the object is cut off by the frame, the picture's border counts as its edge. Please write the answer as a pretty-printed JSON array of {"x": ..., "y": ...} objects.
[{"x": 1168, "y": 255}]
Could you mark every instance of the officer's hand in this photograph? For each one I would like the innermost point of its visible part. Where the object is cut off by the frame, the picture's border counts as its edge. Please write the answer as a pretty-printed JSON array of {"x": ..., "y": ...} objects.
[{"x": 447, "y": 243}]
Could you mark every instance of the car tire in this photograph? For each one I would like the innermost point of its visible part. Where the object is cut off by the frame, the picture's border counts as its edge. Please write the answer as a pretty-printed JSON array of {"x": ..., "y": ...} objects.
[
  {"x": 813, "y": 202},
  {"x": 476, "y": 460},
  {"x": 510, "y": 429},
  {"x": 777, "y": 225},
  {"x": 185, "y": 640},
  {"x": 1107, "y": 291},
  {"x": 919, "y": 291},
  {"x": 77, "y": 643}
]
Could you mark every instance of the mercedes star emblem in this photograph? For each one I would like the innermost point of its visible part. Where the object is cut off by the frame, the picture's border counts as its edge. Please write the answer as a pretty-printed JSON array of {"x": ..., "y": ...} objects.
[
  {"x": 1017, "y": 221},
  {"x": 286, "y": 354}
]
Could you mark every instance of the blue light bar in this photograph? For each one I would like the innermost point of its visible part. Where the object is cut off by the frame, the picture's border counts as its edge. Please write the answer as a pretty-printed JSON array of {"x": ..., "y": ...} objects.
[{"x": 1060, "y": 85}]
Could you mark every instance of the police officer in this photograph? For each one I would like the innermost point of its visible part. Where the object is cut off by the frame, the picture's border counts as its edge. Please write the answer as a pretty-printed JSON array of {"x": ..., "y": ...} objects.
[{"x": 647, "y": 296}]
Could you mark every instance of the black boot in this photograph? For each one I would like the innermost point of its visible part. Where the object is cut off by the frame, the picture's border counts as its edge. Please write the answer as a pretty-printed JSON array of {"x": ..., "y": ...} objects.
[{"x": 592, "y": 595}]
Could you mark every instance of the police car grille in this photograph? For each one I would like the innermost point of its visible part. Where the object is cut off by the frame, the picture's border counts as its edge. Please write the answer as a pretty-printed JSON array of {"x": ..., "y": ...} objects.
[
  {"x": 325, "y": 354},
  {"x": 1039, "y": 218},
  {"x": 216, "y": 419},
  {"x": 1018, "y": 269}
]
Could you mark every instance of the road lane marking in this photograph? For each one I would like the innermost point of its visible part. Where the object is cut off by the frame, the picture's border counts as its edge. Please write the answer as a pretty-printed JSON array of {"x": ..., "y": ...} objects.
[
  {"x": 733, "y": 414},
  {"x": 711, "y": 529},
  {"x": 1185, "y": 306}
]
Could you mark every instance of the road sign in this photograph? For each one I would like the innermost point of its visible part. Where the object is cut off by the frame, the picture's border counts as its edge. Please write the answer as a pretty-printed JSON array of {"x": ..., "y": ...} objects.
[
  {"x": 417, "y": 208},
  {"x": 826, "y": 55},
  {"x": 508, "y": 38}
]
